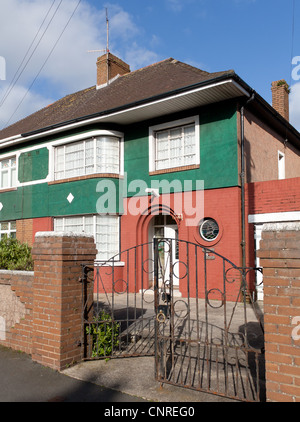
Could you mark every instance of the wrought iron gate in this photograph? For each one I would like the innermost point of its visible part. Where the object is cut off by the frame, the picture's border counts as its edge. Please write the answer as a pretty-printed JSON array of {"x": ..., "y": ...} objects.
[{"x": 196, "y": 316}]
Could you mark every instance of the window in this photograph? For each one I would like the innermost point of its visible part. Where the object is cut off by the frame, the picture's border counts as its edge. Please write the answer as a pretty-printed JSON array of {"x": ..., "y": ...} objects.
[
  {"x": 8, "y": 228},
  {"x": 281, "y": 165},
  {"x": 8, "y": 173},
  {"x": 95, "y": 155},
  {"x": 209, "y": 229},
  {"x": 174, "y": 144},
  {"x": 104, "y": 228}
]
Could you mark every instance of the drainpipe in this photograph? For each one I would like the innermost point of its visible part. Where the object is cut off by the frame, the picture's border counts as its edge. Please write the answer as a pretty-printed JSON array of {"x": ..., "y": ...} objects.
[{"x": 243, "y": 243}]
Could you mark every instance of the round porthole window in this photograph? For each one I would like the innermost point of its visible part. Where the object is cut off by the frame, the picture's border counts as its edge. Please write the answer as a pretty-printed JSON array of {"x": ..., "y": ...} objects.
[{"x": 209, "y": 229}]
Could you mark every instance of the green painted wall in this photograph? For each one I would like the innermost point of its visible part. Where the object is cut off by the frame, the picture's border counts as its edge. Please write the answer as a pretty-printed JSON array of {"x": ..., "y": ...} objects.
[
  {"x": 33, "y": 165},
  {"x": 42, "y": 200},
  {"x": 218, "y": 168},
  {"x": 218, "y": 150}
]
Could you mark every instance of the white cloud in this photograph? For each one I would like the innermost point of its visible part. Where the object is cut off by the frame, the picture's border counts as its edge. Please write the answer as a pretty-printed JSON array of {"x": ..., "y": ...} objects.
[
  {"x": 70, "y": 67},
  {"x": 139, "y": 56},
  {"x": 178, "y": 5},
  {"x": 175, "y": 5},
  {"x": 30, "y": 103},
  {"x": 294, "y": 106}
]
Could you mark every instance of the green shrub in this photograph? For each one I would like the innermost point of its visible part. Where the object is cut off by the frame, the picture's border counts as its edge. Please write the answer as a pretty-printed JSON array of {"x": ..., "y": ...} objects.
[
  {"x": 104, "y": 332},
  {"x": 15, "y": 255}
]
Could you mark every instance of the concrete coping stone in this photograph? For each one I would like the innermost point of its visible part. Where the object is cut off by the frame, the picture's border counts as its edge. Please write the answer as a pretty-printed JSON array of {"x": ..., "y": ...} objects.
[
  {"x": 64, "y": 234},
  {"x": 16, "y": 272},
  {"x": 291, "y": 226}
]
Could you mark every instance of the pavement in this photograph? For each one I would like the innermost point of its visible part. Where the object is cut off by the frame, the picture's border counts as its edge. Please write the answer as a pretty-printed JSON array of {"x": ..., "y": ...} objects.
[
  {"x": 23, "y": 380},
  {"x": 115, "y": 381}
]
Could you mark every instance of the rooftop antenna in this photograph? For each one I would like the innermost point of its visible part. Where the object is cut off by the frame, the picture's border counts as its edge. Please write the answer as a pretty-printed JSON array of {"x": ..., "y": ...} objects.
[{"x": 106, "y": 50}]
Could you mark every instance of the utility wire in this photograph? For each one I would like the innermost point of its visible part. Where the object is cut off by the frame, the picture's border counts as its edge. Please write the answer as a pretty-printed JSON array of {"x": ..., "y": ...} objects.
[
  {"x": 43, "y": 65},
  {"x": 15, "y": 78}
]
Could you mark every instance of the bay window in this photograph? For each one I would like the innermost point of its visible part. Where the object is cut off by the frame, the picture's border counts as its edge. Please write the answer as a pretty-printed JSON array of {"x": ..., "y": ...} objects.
[{"x": 99, "y": 154}]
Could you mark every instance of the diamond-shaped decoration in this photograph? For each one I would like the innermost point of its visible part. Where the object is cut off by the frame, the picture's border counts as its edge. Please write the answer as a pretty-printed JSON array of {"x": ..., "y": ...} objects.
[
  {"x": 1, "y": 206},
  {"x": 70, "y": 198}
]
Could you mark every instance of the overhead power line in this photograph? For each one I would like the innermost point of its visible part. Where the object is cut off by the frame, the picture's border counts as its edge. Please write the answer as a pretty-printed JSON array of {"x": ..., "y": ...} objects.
[
  {"x": 43, "y": 65},
  {"x": 16, "y": 78}
]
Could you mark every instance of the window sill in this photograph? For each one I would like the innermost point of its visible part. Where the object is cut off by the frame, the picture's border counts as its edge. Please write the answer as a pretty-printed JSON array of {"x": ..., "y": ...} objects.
[
  {"x": 89, "y": 176},
  {"x": 3, "y": 190},
  {"x": 108, "y": 263},
  {"x": 174, "y": 169}
]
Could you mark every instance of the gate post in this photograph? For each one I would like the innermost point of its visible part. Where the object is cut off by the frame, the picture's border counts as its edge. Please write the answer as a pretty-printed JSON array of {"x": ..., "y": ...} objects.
[
  {"x": 279, "y": 255},
  {"x": 57, "y": 296}
]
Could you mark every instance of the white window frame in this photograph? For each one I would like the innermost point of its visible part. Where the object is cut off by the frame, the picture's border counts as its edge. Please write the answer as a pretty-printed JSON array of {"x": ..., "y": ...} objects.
[
  {"x": 83, "y": 137},
  {"x": 281, "y": 165},
  {"x": 82, "y": 171},
  {"x": 10, "y": 183},
  {"x": 102, "y": 256},
  {"x": 9, "y": 231},
  {"x": 173, "y": 125}
]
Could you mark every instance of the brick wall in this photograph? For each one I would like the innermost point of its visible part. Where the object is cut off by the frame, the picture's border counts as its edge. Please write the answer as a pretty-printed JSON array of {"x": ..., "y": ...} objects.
[
  {"x": 16, "y": 309},
  {"x": 24, "y": 231},
  {"x": 50, "y": 326},
  {"x": 280, "y": 260},
  {"x": 273, "y": 196}
]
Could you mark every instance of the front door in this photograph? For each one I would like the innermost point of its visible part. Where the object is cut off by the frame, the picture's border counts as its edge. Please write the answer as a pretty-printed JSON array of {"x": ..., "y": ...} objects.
[
  {"x": 172, "y": 252},
  {"x": 164, "y": 228}
]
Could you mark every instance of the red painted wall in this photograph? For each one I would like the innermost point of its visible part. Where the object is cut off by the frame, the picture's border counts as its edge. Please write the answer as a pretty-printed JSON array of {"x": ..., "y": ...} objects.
[
  {"x": 221, "y": 204},
  {"x": 273, "y": 196},
  {"x": 43, "y": 224}
]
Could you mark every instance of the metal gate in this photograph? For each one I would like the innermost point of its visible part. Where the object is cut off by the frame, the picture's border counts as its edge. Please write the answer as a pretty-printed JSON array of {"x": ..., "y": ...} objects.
[{"x": 195, "y": 315}]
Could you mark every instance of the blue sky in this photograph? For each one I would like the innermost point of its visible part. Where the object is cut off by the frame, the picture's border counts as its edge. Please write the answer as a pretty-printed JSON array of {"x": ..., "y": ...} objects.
[{"x": 253, "y": 37}]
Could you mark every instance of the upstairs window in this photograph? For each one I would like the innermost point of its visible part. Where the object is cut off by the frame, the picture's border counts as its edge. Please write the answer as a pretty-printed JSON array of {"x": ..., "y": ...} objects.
[
  {"x": 174, "y": 145},
  {"x": 8, "y": 173},
  {"x": 95, "y": 155}
]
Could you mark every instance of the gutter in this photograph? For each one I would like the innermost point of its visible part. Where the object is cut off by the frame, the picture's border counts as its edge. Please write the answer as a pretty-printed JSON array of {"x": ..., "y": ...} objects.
[
  {"x": 230, "y": 76},
  {"x": 165, "y": 95},
  {"x": 94, "y": 118}
]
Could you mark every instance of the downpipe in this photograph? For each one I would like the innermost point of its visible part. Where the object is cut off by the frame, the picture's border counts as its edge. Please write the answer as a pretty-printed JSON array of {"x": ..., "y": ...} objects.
[{"x": 242, "y": 175}]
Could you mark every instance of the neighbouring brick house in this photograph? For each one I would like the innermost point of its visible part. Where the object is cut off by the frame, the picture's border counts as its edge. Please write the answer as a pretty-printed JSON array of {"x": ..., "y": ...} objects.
[{"x": 163, "y": 123}]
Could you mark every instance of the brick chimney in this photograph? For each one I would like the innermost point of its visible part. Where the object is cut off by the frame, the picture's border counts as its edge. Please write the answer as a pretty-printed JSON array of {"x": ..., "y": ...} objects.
[
  {"x": 108, "y": 67},
  {"x": 280, "y": 97}
]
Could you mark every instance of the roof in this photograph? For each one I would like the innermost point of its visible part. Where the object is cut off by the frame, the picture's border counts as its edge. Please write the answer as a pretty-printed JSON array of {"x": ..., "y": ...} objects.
[
  {"x": 166, "y": 76},
  {"x": 161, "y": 88}
]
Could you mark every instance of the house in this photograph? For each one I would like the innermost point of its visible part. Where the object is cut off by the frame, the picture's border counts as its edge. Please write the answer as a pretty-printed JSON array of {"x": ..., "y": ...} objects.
[{"x": 168, "y": 151}]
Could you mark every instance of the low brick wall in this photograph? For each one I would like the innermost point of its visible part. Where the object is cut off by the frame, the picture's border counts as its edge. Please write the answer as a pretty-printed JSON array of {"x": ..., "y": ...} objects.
[
  {"x": 16, "y": 309},
  {"x": 280, "y": 259},
  {"x": 40, "y": 311}
]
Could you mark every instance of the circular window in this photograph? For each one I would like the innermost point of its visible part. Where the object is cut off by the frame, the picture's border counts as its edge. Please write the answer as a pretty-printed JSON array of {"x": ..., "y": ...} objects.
[{"x": 209, "y": 229}]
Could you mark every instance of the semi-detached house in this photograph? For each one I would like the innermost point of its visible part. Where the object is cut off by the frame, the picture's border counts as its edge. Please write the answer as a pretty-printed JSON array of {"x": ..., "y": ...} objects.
[{"x": 168, "y": 150}]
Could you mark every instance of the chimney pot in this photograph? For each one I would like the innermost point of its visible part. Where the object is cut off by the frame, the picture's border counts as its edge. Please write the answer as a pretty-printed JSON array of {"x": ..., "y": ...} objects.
[
  {"x": 108, "y": 67},
  {"x": 280, "y": 97}
]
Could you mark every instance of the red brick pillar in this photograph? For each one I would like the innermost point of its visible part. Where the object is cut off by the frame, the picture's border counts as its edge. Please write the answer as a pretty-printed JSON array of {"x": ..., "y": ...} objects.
[
  {"x": 280, "y": 258},
  {"x": 57, "y": 296}
]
